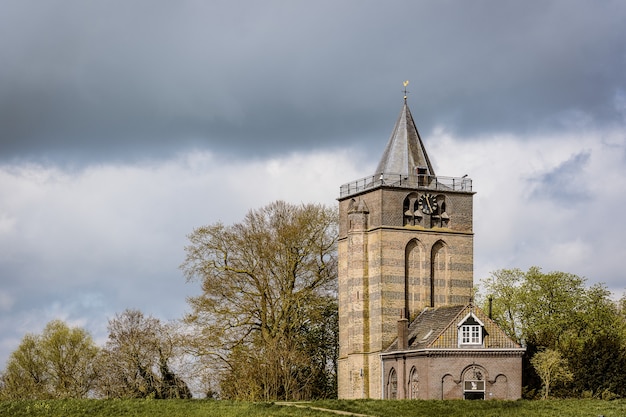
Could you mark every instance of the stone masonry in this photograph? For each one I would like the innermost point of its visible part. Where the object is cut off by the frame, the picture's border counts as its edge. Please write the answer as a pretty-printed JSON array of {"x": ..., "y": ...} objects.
[{"x": 392, "y": 266}]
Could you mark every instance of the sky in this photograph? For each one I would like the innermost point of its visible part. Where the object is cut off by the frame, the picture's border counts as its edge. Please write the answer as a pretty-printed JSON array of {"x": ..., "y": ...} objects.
[{"x": 124, "y": 125}]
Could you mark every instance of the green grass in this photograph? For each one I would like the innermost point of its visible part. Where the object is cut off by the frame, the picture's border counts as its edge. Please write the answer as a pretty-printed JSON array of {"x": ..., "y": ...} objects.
[
  {"x": 147, "y": 408},
  {"x": 460, "y": 408},
  {"x": 197, "y": 408}
]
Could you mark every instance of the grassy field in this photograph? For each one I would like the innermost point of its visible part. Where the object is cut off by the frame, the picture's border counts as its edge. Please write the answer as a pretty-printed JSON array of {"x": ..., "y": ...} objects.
[{"x": 193, "y": 408}]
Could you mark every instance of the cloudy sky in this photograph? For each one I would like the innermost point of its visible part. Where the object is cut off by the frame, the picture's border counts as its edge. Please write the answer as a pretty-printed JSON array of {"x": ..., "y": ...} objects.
[{"x": 126, "y": 124}]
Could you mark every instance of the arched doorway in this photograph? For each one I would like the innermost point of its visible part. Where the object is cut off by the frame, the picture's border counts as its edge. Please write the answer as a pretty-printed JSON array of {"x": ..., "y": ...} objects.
[{"x": 474, "y": 383}]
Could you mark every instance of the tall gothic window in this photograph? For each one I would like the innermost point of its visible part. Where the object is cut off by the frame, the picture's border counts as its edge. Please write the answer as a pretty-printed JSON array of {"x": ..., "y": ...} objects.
[
  {"x": 438, "y": 274},
  {"x": 392, "y": 385},
  {"x": 413, "y": 384},
  {"x": 412, "y": 274}
]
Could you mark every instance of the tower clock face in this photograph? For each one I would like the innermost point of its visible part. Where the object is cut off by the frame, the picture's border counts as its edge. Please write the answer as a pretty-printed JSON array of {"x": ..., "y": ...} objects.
[{"x": 428, "y": 203}]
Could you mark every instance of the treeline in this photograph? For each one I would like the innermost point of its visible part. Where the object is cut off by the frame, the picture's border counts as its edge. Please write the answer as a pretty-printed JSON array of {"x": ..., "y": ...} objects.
[
  {"x": 65, "y": 362},
  {"x": 575, "y": 335},
  {"x": 265, "y": 325}
]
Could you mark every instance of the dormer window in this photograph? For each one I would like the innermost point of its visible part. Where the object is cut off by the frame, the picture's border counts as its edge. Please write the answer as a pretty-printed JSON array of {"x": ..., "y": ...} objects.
[
  {"x": 470, "y": 331},
  {"x": 471, "y": 334}
]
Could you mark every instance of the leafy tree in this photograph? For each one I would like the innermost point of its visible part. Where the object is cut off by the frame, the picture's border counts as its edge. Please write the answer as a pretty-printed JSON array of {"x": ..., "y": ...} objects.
[
  {"x": 504, "y": 289},
  {"x": 621, "y": 306},
  {"x": 533, "y": 307},
  {"x": 556, "y": 311},
  {"x": 596, "y": 348},
  {"x": 135, "y": 362},
  {"x": 551, "y": 306},
  {"x": 265, "y": 283},
  {"x": 551, "y": 368},
  {"x": 56, "y": 364},
  {"x": 599, "y": 365}
]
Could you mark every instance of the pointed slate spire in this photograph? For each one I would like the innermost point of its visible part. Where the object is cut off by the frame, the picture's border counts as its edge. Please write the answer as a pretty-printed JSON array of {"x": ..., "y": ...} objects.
[{"x": 405, "y": 151}]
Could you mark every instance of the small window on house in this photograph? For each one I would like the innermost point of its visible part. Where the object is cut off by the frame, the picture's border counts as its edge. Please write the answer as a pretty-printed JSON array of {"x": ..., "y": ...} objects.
[
  {"x": 427, "y": 335},
  {"x": 471, "y": 334},
  {"x": 470, "y": 331}
]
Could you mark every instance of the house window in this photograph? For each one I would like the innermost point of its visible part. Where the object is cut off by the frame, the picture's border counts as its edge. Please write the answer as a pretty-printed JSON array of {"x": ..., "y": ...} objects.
[
  {"x": 471, "y": 334},
  {"x": 471, "y": 331}
]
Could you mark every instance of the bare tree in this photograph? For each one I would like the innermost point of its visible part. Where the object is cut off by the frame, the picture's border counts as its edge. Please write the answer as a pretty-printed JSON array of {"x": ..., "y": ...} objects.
[
  {"x": 135, "y": 360},
  {"x": 264, "y": 281}
]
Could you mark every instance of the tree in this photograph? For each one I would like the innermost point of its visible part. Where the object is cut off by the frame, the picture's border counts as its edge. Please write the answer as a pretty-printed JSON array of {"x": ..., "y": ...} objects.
[
  {"x": 56, "y": 364},
  {"x": 264, "y": 283},
  {"x": 551, "y": 306},
  {"x": 533, "y": 307},
  {"x": 555, "y": 311},
  {"x": 504, "y": 291},
  {"x": 135, "y": 362},
  {"x": 599, "y": 366},
  {"x": 597, "y": 346},
  {"x": 552, "y": 368}
]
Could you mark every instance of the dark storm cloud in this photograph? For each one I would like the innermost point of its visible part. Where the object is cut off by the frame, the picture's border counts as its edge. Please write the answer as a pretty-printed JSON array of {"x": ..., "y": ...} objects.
[{"x": 117, "y": 79}]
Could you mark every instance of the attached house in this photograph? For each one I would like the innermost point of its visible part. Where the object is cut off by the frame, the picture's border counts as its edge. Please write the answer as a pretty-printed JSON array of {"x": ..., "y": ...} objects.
[{"x": 452, "y": 352}]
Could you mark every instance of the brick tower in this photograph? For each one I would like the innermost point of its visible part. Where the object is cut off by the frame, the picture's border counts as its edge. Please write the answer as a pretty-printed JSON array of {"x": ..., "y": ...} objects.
[{"x": 405, "y": 244}]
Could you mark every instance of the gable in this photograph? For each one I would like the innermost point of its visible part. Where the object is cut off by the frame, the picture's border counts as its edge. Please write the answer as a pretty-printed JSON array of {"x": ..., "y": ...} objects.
[{"x": 493, "y": 336}]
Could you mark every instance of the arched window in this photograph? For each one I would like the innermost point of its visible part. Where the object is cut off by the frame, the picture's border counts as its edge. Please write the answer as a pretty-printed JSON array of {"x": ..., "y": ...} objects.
[
  {"x": 392, "y": 385},
  {"x": 413, "y": 261},
  {"x": 438, "y": 274},
  {"x": 413, "y": 384},
  {"x": 351, "y": 207},
  {"x": 411, "y": 213}
]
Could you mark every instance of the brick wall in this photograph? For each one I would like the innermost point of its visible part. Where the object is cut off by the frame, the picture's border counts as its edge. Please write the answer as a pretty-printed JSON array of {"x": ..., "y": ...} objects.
[
  {"x": 441, "y": 374},
  {"x": 377, "y": 282}
]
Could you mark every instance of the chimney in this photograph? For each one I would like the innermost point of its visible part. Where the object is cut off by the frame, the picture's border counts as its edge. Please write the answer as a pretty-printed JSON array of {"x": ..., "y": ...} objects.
[
  {"x": 403, "y": 333},
  {"x": 490, "y": 307}
]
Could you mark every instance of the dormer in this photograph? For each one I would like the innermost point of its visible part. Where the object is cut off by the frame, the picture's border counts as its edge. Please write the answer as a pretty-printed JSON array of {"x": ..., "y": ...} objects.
[{"x": 471, "y": 332}]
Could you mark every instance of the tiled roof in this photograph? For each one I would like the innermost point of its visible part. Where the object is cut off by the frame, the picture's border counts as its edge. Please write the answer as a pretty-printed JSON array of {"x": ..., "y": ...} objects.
[{"x": 436, "y": 328}]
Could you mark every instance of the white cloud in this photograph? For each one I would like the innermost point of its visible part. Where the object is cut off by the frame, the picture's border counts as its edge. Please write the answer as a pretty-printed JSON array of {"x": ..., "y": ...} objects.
[
  {"x": 517, "y": 226},
  {"x": 82, "y": 246},
  {"x": 6, "y": 301}
]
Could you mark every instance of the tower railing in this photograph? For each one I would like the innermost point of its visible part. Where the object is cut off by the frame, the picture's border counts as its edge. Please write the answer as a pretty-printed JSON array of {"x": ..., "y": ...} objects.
[{"x": 427, "y": 182}]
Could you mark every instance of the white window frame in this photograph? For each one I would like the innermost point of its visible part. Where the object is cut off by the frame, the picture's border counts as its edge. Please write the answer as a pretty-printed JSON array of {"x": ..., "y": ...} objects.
[{"x": 470, "y": 334}]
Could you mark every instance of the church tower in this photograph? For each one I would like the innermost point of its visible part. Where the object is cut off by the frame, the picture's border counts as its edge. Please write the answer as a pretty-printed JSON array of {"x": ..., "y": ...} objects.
[{"x": 405, "y": 244}]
